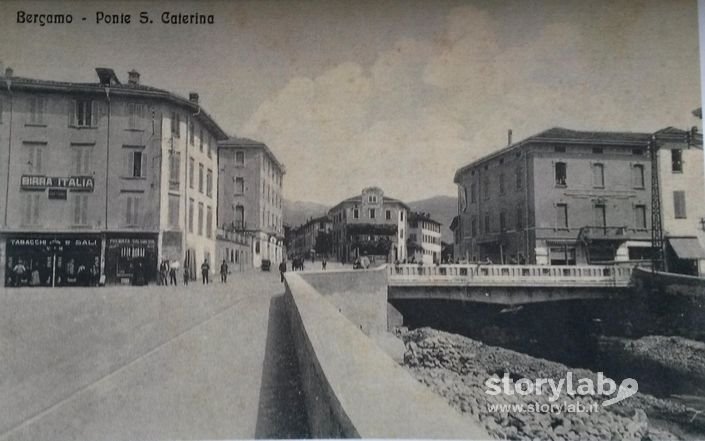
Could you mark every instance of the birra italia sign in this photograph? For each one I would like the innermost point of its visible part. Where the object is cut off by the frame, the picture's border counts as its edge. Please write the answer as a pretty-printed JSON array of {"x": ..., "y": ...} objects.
[{"x": 35, "y": 182}]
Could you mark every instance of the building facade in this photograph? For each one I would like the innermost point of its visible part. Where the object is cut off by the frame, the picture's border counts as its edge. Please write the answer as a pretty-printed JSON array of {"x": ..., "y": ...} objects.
[
  {"x": 561, "y": 197},
  {"x": 424, "y": 244},
  {"x": 250, "y": 196},
  {"x": 370, "y": 224},
  {"x": 94, "y": 180},
  {"x": 314, "y": 238}
]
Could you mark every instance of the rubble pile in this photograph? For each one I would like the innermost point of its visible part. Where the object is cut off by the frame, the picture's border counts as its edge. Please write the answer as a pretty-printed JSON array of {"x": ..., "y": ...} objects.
[
  {"x": 457, "y": 367},
  {"x": 677, "y": 353}
]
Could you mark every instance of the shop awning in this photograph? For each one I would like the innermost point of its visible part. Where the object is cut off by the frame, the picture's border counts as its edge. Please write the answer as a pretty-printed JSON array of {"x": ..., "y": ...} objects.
[{"x": 687, "y": 247}]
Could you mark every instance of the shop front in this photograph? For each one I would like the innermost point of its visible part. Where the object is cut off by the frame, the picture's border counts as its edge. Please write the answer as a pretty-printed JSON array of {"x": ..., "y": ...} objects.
[
  {"x": 52, "y": 259},
  {"x": 131, "y": 258}
]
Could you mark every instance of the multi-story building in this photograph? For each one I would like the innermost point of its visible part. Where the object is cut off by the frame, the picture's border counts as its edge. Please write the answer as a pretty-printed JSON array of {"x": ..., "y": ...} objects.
[
  {"x": 312, "y": 238},
  {"x": 424, "y": 244},
  {"x": 370, "y": 224},
  {"x": 250, "y": 196},
  {"x": 103, "y": 179},
  {"x": 682, "y": 185},
  {"x": 558, "y": 197}
]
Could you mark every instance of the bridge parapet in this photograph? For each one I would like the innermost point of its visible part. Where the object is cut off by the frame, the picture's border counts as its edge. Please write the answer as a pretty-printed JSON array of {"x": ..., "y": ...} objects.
[{"x": 510, "y": 275}]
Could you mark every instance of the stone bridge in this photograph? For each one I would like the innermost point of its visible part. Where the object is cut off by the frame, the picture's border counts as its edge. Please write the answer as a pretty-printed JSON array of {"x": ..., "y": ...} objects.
[{"x": 507, "y": 284}]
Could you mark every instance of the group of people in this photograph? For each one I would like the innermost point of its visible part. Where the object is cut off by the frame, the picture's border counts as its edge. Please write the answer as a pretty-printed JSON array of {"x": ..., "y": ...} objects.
[{"x": 168, "y": 272}]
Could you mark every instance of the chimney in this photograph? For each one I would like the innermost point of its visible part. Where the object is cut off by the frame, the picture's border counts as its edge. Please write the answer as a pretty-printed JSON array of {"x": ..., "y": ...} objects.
[
  {"x": 193, "y": 97},
  {"x": 133, "y": 78},
  {"x": 9, "y": 72},
  {"x": 509, "y": 137}
]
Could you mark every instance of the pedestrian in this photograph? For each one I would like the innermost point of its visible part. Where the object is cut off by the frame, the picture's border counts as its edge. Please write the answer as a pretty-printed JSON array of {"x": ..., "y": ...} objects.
[
  {"x": 164, "y": 273},
  {"x": 323, "y": 263},
  {"x": 205, "y": 269},
  {"x": 19, "y": 270},
  {"x": 224, "y": 271},
  {"x": 186, "y": 272},
  {"x": 173, "y": 269},
  {"x": 282, "y": 270}
]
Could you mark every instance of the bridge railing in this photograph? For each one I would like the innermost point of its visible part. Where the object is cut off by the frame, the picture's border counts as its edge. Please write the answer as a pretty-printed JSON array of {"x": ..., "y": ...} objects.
[{"x": 483, "y": 274}]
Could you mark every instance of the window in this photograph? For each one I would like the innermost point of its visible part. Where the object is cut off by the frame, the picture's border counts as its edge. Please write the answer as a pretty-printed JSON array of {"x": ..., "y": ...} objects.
[
  {"x": 501, "y": 183},
  {"x": 598, "y": 175},
  {"x": 559, "y": 149},
  {"x": 134, "y": 164},
  {"x": 257, "y": 247},
  {"x": 519, "y": 178},
  {"x": 210, "y": 145},
  {"x": 520, "y": 218},
  {"x": 240, "y": 158},
  {"x": 640, "y": 217},
  {"x": 200, "y": 140},
  {"x": 239, "y": 185},
  {"x": 135, "y": 114},
  {"x": 561, "y": 173},
  {"x": 80, "y": 209},
  {"x": 502, "y": 221},
  {"x": 34, "y": 158},
  {"x": 239, "y": 216},
  {"x": 209, "y": 222},
  {"x": 82, "y": 160},
  {"x": 37, "y": 108},
  {"x": 638, "y": 176},
  {"x": 84, "y": 113},
  {"x": 676, "y": 161},
  {"x": 176, "y": 124},
  {"x": 637, "y": 152},
  {"x": 388, "y": 215},
  {"x": 200, "y": 178},
  {"x": 597, "y": 150},
  {"x": 191, "y": 166},
  {"x": 401, "y": 216},
  {"x": 132, "y": 210},
  {"x": 174, "y": 167},
  {"x": 600, "y": 214},
  {"x": 356, "y": 213},
  {"x": 173, "y": 210},
  {"x": 209, "y": 182},
  {"x": 562, "y": 216},
  {"x": 473, "y": 193},
  {"x": 487, "y": 222},
  {"x": 32, "y": 208},
  {"x": 679, "y": 204},
  {"x": 486, "y": 189},
  {"x": 373, "y": 212},
  {"x": 191, "y": 132},
  {"x": 200, "y": 218},
  {"x": 190, "y": 215},
  {"x": 372, "y": 199}
]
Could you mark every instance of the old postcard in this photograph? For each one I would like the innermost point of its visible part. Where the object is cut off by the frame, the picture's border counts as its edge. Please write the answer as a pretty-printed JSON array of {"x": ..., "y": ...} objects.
[{"x": 452, "y": 219}]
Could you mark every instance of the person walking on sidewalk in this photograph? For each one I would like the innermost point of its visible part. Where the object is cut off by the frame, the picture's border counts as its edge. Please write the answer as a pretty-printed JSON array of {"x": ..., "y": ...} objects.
[
  {"x": 224, "y": 271},
  {"x": 173, "y": 269},
  {"x": 205, "y": 269},
  {"x": 186, "y": 272},
  {"x": 282, "y": 270}
]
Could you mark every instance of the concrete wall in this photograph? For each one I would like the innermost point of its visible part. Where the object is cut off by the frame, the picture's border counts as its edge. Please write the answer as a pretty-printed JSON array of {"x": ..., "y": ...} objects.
[
  {"x": 360, "y": 295},
  {"x": 351, "y": 387}
]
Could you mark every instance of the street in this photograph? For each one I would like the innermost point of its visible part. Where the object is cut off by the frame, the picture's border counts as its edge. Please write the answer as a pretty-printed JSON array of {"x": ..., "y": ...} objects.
[{"x": 150, "y": 362}]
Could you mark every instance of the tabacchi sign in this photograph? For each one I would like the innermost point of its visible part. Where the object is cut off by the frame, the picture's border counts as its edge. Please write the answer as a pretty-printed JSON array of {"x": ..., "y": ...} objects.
[{"x": 35, "y": 182}]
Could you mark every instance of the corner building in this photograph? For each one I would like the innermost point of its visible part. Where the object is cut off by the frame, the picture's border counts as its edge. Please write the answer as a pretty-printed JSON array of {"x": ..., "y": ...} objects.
[
  {"x": 104, "y": 179},
  {"x": 250, "y": 197}
]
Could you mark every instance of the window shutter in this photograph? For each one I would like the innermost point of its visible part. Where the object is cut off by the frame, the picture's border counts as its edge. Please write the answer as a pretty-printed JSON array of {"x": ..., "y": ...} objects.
[
  {"x": 27, "y": 213},
  {"x": 77, "y": 210},
  {"x": 679, "y": 204},
  {"x": 37, "y": 159},
  {"x": 72, "y": 112},
  {"x": 94, "y": 113},
  {"x": 35, "y": 207},
  {"x": 128, "y": 211},
  {"x": 130, "y": 163},
  {"x": 136, "y": 211}
]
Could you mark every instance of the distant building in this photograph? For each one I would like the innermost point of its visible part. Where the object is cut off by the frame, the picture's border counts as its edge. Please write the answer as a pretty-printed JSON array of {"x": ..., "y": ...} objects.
[
  {"x": 312, "y": 238},
  {"x": 424, "y": 244},
  {"x": 250, "y": 196},
  {"x": 561, "y": 197},
  {"x": 370, "y": 224},
  {"x": 106, "y": 178}
]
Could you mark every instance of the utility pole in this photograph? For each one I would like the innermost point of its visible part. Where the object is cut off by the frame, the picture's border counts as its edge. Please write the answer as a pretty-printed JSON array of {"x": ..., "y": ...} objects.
[{"x": 656, "y": 225}]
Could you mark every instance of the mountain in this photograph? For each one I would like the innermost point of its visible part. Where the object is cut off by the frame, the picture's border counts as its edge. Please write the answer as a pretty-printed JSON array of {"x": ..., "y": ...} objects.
[
  {"x": 298, "y": 212},
  {"x": 441, "y": 209}
]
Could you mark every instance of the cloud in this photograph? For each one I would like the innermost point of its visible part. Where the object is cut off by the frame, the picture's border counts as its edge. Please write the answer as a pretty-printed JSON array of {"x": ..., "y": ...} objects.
[{"x": 426, "y": 107}]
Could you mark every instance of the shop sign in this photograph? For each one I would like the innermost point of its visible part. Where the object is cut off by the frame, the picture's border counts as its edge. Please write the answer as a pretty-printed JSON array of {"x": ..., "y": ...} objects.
[
  {"x": 117, "y": 242},
  {"x": 57, "y": 193},
  {"x": 76, "y": 183}
]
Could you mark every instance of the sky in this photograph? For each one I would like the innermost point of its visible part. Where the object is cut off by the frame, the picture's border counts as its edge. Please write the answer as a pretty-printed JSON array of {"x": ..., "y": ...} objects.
[{"x": 395, "y": 94}]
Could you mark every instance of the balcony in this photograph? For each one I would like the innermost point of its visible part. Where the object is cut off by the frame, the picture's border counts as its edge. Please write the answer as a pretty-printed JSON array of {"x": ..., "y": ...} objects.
[{"x": 591, "y": 233}]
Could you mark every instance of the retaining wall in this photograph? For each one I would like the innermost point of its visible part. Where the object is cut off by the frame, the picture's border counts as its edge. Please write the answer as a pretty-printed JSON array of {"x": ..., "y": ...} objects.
[{"x": 354, "y": 389}]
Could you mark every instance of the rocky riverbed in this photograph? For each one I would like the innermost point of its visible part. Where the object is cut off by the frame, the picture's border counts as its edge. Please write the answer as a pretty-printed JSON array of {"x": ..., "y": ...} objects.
[{"x": 457, "y": 368}]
